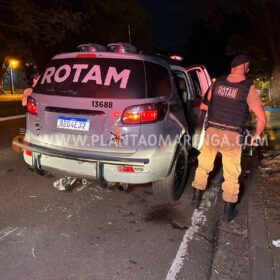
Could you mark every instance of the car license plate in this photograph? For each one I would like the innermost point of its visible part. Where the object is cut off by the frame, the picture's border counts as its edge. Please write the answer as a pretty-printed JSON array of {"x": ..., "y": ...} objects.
[{"x": 80, "y": 124}]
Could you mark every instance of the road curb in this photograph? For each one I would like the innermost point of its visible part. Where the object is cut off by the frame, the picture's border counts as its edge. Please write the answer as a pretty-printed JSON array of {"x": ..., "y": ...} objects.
[
  {"x": 12, "y": 118},
  {"x": 261, "y": 261}
]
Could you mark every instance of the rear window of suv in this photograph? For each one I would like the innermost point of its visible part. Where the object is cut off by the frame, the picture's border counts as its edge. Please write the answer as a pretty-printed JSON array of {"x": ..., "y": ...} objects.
[
  {"x": 104, "y": 78},
  {"x": 95, "y": 77}
]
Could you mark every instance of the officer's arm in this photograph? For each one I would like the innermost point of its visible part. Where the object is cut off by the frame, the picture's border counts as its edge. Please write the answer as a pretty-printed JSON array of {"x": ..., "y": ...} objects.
[
  {"x": 206, "y": 98},
  {"x": 28, "y": 91},
  {"x": 204, "y": 107},
  {"x": 255, "y": 105}
]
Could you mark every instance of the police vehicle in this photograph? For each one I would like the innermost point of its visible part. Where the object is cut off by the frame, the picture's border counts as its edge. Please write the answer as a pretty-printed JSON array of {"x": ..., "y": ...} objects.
[{"x": 113, "y": 115}]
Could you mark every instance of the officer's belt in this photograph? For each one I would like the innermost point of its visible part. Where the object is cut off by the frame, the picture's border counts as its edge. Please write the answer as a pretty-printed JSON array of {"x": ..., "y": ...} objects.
[{"x": 222, "y": 127}]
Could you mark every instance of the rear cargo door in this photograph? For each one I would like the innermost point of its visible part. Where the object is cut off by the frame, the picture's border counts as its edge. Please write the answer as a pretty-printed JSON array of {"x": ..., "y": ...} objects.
[{"x": 81, "y": 100}]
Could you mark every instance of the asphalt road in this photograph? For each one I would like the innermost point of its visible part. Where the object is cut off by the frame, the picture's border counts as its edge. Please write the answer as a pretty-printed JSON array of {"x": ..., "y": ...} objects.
[{"x": 94, "y": 233}]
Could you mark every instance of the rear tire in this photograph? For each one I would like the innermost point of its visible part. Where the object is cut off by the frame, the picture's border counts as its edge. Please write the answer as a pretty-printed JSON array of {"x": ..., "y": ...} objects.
[{"x": 171, "y": 188}]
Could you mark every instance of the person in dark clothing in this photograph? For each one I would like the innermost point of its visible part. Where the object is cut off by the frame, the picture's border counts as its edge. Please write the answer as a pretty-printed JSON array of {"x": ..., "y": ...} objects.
[{"x": 229, "y": 102}]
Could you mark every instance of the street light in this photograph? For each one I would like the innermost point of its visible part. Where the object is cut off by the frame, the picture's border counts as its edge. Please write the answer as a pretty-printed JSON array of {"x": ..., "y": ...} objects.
[{"x": 12, "y": 64}]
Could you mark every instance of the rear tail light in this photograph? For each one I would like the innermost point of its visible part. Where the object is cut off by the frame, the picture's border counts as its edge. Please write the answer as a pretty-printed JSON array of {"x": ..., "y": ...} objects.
[
  {"x": 86, "y": 55},
  {"x": 126, "y": 169},
  {"x": 146, "y": 113},
  {"x": 31, "y": 106},
  {"x": 28, "y": 153},
  {"x": 131, "y": 169}
]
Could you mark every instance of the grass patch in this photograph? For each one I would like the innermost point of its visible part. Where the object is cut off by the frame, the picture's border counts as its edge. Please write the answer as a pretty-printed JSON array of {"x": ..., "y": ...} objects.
[{"x": 11, "y": 108}]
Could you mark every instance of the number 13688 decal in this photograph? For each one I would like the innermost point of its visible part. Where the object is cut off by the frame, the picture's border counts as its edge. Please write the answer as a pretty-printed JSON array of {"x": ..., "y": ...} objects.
[{"x": 102, "y": 104}]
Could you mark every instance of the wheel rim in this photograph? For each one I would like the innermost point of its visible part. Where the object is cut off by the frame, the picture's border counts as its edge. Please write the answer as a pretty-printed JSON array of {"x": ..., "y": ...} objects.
[{"x": 179, "y": 173}]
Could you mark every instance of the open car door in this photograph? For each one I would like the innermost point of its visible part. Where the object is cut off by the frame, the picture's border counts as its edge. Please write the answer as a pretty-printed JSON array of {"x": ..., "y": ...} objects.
[{"x": 200, "y": 82}]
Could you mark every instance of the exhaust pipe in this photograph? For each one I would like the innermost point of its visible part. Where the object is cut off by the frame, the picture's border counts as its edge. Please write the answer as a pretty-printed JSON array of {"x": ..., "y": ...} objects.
[{"x": 123, "y": 187}]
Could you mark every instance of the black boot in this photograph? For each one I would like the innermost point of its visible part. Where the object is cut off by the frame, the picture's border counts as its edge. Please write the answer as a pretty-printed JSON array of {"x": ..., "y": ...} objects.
[
  {"x": 230, "y": 212},
  {"x": 197, "y": 195}
]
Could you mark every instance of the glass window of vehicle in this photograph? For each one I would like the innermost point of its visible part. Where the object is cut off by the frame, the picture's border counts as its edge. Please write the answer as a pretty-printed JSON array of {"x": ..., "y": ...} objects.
[
  {"x": 94, "y": 77},
  {"x": 196, "y": 83},
  {"x": 183, "y": 86},
  {"x": 158, "y": 80}
]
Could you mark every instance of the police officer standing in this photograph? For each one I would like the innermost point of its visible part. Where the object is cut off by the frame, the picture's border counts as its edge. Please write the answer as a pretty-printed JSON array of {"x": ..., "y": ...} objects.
[{"x": 229, "y": 101}]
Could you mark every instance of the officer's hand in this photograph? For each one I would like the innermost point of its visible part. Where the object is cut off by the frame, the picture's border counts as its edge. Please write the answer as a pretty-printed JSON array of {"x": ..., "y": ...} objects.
[{"x": 256, "y": 140}]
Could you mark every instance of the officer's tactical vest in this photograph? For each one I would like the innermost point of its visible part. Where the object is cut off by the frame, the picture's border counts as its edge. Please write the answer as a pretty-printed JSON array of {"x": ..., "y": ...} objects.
[{"x": 228, "y": 104}]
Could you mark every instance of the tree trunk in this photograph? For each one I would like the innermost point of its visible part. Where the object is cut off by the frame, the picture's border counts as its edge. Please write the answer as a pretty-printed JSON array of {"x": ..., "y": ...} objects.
[
  {"x": 2, "y": 72},
  {"x": 275, "y": 83}
]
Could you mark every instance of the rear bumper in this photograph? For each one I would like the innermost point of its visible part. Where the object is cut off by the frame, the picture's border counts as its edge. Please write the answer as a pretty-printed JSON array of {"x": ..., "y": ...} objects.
[
  {"x": 101, "y": 168},
  {"x": 85, "y": 156}
]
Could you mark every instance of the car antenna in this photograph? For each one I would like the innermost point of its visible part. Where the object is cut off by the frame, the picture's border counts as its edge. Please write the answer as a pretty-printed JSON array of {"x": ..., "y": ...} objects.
[{"x": 129, "y": 35}]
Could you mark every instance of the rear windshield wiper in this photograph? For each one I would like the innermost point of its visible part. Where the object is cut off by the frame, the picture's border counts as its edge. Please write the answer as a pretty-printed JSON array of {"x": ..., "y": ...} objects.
[{"x": 61, "y": 90}]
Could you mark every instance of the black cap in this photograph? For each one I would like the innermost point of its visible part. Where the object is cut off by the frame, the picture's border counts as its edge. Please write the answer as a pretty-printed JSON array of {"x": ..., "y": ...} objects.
[{"x": 239, "y": 60}]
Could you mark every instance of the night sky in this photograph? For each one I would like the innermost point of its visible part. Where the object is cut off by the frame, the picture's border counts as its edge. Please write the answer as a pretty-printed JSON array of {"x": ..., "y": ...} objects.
[{"x": 171, "y": 22}]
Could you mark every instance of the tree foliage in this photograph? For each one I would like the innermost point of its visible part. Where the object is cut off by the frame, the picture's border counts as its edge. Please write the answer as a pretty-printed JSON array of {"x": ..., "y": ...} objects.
[
  {"x": 262, "y": 41},
  {"x": 210, "y": 37},
  {"x": 265, "y": 16},
  {"x": 37, "y": 29}
]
